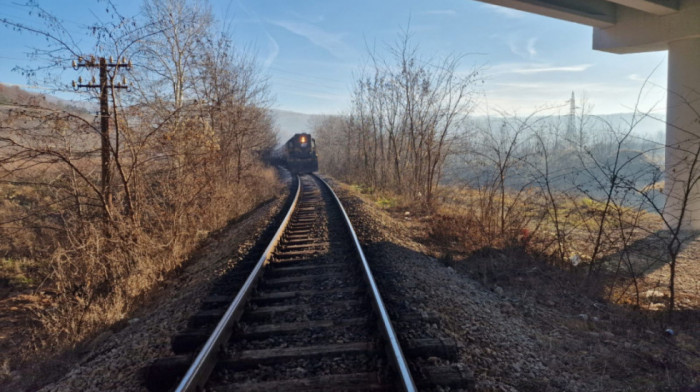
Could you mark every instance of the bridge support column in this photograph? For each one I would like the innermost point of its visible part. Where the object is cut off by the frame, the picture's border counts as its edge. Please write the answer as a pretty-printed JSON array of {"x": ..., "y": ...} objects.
[{"x": 683, "y": 134}]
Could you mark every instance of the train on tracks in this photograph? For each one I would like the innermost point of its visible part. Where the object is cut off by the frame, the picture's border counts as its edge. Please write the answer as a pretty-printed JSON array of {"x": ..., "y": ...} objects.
[{"x": 298, "y": 154}]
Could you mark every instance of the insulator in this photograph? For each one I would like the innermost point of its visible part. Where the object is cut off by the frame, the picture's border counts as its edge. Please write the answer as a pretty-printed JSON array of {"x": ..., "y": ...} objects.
[
  {"x": 93, "y": 79},
  {"x": 124, "y": 80},
  {"x": 74, "y": 64},
  {"x": 80, "y": 79},
  {"x": 111, "y": 59},
  {"x": 129, "y": 63},
  {"x": 74, "y": 84}
]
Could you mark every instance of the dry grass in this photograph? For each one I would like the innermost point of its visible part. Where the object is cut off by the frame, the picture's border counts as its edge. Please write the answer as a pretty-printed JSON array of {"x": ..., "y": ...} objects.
[
  {"x": 468, "y": 220},
  {"x": 466, "y": 227},
  {"x": 475, "y": 217},
  {"x": 95, "y": 252},
  {"x": 94, "y": 277}
]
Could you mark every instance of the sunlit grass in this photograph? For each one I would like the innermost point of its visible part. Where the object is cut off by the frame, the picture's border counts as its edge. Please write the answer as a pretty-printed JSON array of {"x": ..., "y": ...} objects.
[{"x": 17, "y": 272}]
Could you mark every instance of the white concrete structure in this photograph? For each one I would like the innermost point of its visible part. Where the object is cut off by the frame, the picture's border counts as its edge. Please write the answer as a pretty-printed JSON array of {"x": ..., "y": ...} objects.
[{"x": 632, "y": 26}]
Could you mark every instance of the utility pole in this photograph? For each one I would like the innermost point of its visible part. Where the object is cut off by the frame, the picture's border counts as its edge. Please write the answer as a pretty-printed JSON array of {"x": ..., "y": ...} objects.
[{"x": 104, "y": 85}]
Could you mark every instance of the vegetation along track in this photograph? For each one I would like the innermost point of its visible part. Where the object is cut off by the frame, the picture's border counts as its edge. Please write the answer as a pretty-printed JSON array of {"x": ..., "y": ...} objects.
[{"x": 309, "y": 316}]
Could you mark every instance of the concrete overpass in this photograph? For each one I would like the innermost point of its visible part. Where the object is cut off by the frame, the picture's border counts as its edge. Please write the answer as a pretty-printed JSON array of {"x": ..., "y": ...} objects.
[{"x": 633, "y": 26}]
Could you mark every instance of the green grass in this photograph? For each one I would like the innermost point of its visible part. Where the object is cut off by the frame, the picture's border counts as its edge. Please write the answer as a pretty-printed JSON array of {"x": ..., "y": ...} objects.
[
  {"x": 380, "y": 198},
  {"x": 365, "y": 190},
  {"x": 387, "y": 202},
  {"x": 14, "y": 271}
]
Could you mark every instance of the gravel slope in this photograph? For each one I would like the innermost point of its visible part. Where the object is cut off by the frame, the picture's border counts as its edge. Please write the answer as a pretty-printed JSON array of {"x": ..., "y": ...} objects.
[{"x": 533, "y": 332}]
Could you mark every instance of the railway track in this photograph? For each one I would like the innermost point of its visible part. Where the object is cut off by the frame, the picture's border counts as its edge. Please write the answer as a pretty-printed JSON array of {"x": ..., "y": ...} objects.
[
  {"x": 309, "y": 315},
  {"x": 304, "y": 315}
]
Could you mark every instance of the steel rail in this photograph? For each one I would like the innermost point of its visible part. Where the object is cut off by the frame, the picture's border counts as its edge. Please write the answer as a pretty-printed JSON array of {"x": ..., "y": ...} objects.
[
  {"x": 398, "y": 358},
  {"x": 201, "y": 368}
]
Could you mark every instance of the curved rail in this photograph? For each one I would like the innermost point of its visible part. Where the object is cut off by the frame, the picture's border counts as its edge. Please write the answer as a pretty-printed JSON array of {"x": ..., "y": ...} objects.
[
  {"x": 203, "y": 364},
  {"x": 387, "y": 329}
]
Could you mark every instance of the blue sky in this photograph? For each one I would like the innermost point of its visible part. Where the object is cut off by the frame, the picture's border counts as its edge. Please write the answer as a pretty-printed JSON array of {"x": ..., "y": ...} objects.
[{"x": 313, "y": 50}]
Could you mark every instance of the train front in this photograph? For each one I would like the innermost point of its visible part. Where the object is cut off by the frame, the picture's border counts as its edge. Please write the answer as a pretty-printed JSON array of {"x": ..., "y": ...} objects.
[{"x": 301, "y": 154}]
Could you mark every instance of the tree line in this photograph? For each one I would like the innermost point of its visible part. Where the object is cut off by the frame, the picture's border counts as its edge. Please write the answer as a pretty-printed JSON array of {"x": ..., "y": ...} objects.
[{"x": 405, "y": 114}]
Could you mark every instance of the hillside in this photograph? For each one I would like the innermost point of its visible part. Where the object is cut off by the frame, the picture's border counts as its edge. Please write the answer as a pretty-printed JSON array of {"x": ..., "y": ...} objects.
[
  {"x": 286, "y": 122},
  {"x": 14, "y": 95}
]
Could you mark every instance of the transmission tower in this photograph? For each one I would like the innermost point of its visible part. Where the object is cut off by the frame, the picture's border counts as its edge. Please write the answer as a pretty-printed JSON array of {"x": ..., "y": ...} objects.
[{"x": 571, "y": 125}]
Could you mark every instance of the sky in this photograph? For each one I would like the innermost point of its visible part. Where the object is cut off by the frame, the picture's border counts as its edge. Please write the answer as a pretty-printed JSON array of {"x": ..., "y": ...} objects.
[{"x": 312, "y": 51}]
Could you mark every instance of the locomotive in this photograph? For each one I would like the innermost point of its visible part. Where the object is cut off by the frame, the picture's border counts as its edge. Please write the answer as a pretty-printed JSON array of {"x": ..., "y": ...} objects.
[{"x": 300, "y": 154}]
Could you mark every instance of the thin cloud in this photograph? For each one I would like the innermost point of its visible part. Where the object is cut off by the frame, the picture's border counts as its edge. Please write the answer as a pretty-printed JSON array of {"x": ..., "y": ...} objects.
[
  {"x": 527, "y": 97},
  {"x": 530, "y": 47},
  {"x": 441, "y": 12},
  {"x": 525, "y": 68},
  {"x": 319, "y": 95},
  {"x": 524, "y": 49},
  {"x": 567, "y": 68},
  {"x": 636, "y": 78},
  {"x": 333, "y": 43},
  {"x": 534, "y": 86},
  {"x": 274, "y": 51},
  {"x": 503, "y": 11}
]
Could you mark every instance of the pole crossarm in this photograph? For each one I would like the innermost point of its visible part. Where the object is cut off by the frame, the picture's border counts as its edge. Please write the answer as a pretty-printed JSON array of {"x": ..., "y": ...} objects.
[{"x": 103, "y": 65}]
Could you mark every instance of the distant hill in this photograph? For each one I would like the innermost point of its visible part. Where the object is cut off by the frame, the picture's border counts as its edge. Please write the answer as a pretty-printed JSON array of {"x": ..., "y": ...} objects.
[
  {"x": 14, "y": 95},
  {"x": 645, "y": 127},
  {"x": 288, "y": 123}
]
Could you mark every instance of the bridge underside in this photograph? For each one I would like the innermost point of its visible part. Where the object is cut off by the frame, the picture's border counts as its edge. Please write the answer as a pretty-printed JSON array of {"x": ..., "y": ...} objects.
[{"x": 633, "y": 26}]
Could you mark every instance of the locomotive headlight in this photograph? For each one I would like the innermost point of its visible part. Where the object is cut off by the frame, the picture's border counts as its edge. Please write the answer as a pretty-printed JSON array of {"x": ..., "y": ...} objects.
[{"x": 302, "y": 139}]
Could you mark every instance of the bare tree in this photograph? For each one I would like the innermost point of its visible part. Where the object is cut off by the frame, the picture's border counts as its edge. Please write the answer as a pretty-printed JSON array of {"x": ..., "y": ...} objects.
[
  {"x": 177, "y": 28},
  {"x": 407, "y": 112}
]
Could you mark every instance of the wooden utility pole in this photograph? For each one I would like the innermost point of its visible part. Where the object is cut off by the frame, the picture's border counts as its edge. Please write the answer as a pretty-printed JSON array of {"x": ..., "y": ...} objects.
[{"x": 104, "y": 85}]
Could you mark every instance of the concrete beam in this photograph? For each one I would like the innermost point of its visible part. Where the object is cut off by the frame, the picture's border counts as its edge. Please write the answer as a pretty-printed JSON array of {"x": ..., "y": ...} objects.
[
  {"x": 637, "y": 31},
  {"x": 597, "y": 13},
  {"x": 656, "y": 7}
]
